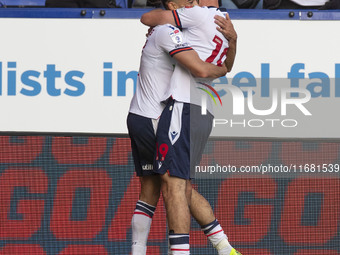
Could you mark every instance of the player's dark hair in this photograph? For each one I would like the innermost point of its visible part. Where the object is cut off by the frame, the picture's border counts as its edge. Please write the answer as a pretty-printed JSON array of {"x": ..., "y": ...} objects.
[{"x": 165, "y": 4}]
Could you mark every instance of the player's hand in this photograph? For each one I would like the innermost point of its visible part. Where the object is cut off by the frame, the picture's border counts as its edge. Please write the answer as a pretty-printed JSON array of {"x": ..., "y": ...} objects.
[
  {"x": 224, "y": 69},
  {"x": 226, "y": 27}
]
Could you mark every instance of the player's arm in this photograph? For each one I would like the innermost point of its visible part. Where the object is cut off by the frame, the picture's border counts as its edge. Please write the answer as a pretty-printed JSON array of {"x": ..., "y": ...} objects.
[
  {"x": 231, "y": 54},
  {"x": 158, "y": 17},
  {"x": 226, "y": 27},
  {"x": 191, "y": 61},
  {"x": 171, "y": 40}
]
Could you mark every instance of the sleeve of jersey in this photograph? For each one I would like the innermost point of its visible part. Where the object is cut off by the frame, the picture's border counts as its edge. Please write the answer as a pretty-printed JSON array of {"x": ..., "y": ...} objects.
[
  {"x": 172, "y": 41},
  {"x": 188, "y": 17},
  {"x": 175, "y": 51}
]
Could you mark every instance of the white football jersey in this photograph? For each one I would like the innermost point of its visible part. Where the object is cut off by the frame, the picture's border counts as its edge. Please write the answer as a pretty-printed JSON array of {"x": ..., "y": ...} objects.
[
  {"x": 199, "y": 29},
  {"x": 156, "y": 68}
]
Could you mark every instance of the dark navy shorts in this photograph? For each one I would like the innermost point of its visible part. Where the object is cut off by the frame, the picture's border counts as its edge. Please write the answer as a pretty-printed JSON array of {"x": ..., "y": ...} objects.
[
  {"x": 181, "y": 137},
  {"x": 143, "y": 143}
]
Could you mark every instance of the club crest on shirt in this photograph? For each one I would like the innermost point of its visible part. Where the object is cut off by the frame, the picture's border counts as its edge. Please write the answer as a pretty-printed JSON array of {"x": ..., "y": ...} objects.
[{"x": 176, "y": 35}]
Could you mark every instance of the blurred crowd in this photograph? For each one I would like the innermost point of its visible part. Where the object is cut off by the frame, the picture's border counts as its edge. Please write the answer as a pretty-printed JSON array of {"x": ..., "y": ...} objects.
[{"x": 227, "y": 4}]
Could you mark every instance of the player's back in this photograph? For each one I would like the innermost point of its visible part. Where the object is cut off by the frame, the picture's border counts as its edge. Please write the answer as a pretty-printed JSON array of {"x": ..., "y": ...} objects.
[{"x": 199, "y": 29}]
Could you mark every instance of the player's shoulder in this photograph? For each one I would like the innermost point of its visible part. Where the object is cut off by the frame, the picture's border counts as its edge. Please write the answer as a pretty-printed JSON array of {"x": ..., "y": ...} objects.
[
  {"x": 214, "y": 10},
  {"x": 167, "y": 32},
  {"x": 191, "y": 9},
  {"x": 219, "y": 12},
  {"x": 194, "y": 15},
  {"x": 166, "y": 29},
  {"x": 158, "y": 31}
]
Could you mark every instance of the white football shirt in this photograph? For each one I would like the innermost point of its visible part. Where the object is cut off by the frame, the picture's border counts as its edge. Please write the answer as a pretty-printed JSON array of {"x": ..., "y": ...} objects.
[
  {"x": 156, "y": 68},
  {"x": 199, "y": 29}
]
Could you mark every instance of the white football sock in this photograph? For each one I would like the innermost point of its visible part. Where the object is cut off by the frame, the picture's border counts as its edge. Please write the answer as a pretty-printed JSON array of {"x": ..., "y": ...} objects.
[
  {"x": 217, "y": 237},
  {"x": 141, "y": 223}
]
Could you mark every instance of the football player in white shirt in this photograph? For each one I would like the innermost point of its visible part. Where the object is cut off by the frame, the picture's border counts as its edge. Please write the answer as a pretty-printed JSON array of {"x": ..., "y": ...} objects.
[
  {"x": 212, "y": 47},
  {"x": 163, "y": 44}
]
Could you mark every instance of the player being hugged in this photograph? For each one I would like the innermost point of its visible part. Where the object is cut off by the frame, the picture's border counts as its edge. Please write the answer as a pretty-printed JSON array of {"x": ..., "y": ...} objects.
[{"x": 183, "y": 131}]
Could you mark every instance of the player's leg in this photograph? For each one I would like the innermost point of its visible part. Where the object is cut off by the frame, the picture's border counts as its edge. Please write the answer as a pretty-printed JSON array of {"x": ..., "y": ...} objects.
[
  {"x": 150, "y": 189},
  {"x": 202, "y": 212},
  {"x": 173, "y": 164},
  {"x": 200, "y": 209},
  {"x": 174, "y": 195},
  {"x": 144, "y": 211},
  {"x": 188, "y": 192},
  {"x": 178, "y": 214},
  {"x": 141, "y": 132}
]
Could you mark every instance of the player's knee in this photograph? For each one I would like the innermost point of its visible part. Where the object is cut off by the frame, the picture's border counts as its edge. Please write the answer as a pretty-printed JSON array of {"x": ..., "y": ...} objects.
[
  {"x": 165, "y": 191},
  {"x": 173, "y": 187}
]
